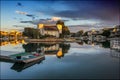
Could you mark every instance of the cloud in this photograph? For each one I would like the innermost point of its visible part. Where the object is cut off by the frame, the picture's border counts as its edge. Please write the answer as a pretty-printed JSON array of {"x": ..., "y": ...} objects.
[
  {"x": 25, "y": 13},
  {"x": 48, "y": 21},
  {"x": 86, "y": 27},
  {"x": 107, "y": 12},
  {"x": 30, "y": 15},
  {"x": 79, "y": 9},
  {"x": 106, "y": 17},
  {"x": 19, "y": 26},
  {"x": 19, "y": 4},
  {"x": 56, "y": 18},
  {"x": 26, "y": 21},
  {"x": 20, "y": 12},
  {"x": 75, "y": 28},
  {"x": 103, "y": 15}
]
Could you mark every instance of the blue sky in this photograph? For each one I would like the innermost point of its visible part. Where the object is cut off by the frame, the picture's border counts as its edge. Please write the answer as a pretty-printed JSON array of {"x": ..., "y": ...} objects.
[{"x": 78, "y": 14}]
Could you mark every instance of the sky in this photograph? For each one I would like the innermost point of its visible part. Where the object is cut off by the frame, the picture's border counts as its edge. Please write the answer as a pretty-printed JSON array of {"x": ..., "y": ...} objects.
[{"x": 77, "y": 14}]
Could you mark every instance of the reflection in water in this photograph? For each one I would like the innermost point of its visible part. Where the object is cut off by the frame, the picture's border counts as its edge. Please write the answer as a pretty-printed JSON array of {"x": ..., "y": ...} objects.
[
  {"x": 80, "y": 43},
  {"x": 12, "y": 42},
  {"x": 23, "y": 60},
  {"x": 21, "y": 66},
  {"x": 113, "y": 44},
  {"x": 48, "y": 49},
  {"x": 4, "y": 43},
  {"x": 32, "y": 50},
  {"x": 34, "y": 53},
  {"x": 106, "y": 44}
]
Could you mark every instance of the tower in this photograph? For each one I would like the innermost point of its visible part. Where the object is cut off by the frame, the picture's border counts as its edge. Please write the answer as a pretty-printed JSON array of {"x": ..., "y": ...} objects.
[
  {"x": 59, "y": 26},
  {"x": 41, "y": 28}
]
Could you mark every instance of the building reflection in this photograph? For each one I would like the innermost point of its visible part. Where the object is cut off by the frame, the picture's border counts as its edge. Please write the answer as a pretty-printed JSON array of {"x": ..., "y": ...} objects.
[
  {"x": 113, "y": 44},
  {"x": 80, "y": 43},
  {"x": 105, "y": 44},
  {"x": 24, "y": 60},
  {"x": 35, "y": 50},
  {"x": 12, "y": 42},
  {"x": 48, "y": 49},
  {"x": 3, "y": 43},
  {"x": 34, "y": 54}
]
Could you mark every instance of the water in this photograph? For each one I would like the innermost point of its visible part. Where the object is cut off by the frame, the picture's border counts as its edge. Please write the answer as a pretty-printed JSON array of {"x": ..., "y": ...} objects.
[{"x": 63, "y": 61}]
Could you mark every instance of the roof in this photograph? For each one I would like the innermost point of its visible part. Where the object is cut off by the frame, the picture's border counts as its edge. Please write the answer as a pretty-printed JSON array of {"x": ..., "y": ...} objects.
[{"x": 51, "y": 28}]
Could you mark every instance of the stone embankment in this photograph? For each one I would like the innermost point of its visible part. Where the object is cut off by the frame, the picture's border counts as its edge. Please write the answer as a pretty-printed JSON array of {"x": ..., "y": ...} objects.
[{"x": 50, "y": 40}]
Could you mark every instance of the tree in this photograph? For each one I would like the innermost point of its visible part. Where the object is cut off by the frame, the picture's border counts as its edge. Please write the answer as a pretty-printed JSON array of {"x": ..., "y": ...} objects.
[
  {"x": 65, "y": 47},
  {"x": 28, "y": 32},
  {"x": 79, "y": 33},
  {"x": 61, "y": 23},
  {"x": 106, "y": 33},
  {"x": 85, "y": 34},
  {"x": 73, "y": 34},
  {"x": 65, "y": 29},
  {"x": 106, "y": 44},
  {"x": 32, "y": 33}
]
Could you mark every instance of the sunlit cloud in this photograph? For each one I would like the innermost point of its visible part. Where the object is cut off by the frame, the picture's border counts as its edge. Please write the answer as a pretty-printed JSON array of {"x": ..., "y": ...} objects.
[
  {"x": 20, "y": 12},
  {"x": 48, "y": 21},
  {"x": 55, "y": 18}
]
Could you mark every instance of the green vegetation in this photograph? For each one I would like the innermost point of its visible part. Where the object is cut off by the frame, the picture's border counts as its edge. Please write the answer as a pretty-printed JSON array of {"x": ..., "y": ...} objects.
[
  {"x": 106, "y": 44},
  {"x": 65, "y": 47},
  {"x": 106, "y": 33},
  {"x": 73, "y": 34},
  {"x": 65, "y": 29},
  {"x": 85, "y": 34},
  {"x": 31, "y": 33},
  {"x": 79, "y": 33}
]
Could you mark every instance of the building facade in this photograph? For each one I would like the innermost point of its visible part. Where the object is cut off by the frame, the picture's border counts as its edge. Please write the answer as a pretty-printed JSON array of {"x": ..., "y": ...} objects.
[{"x": 52, "y": 30}]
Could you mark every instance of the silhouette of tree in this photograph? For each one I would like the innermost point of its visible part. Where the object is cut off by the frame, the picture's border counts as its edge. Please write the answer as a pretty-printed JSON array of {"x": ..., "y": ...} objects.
[
  {"x": 65, "y": 29},
  {"x": 106, "y": 33},
  {"x": 79, "y": 33}
]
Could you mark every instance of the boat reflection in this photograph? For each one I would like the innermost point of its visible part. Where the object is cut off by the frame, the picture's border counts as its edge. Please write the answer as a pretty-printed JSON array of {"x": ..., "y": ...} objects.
[
  {"x": 21, "y": 66},
  {"x": 23, "y": 60}
]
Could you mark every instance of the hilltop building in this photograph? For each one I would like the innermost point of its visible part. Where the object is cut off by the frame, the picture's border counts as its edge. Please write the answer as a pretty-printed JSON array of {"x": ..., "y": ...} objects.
[{"x": 52, "y": 30}]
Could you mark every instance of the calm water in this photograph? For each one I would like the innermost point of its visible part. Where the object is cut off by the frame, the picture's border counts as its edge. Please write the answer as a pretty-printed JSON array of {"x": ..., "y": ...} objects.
[{"x": 63, "y": 61}]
